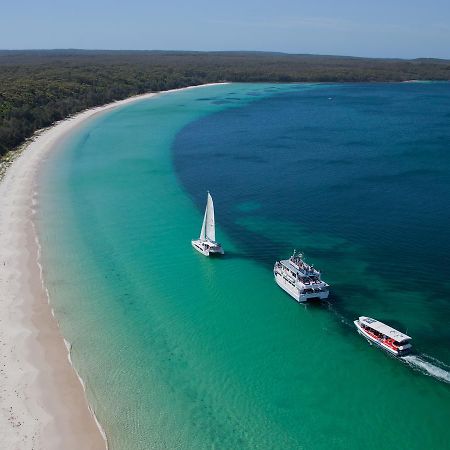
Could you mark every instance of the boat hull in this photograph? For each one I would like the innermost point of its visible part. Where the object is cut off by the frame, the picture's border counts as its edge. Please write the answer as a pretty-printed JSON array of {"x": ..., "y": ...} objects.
[
  {"x": 294, "y": 292},
  {"x": 206, "y": 248},
  {"x": 377, "y": 342}
]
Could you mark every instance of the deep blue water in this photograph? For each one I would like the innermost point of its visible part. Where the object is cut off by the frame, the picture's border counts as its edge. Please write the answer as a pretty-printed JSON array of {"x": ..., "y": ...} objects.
[{"x": 365, "y": 165}]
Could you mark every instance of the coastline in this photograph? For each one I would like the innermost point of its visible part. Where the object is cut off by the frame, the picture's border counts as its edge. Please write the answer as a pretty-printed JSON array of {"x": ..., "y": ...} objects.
[{"x": 38, "y": 381}]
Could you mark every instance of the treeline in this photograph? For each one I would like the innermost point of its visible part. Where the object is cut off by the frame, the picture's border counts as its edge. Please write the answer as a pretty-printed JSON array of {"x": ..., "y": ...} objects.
[{"x": 38, "y": 88}]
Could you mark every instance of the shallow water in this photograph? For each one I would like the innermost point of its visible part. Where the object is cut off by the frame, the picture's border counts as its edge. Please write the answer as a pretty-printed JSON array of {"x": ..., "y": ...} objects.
[{"x": 181, "y": 351}]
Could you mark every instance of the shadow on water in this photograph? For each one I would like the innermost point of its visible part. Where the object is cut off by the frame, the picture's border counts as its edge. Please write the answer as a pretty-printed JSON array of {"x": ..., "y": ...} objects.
[
  {"x": 231, "y": 254},
  {"x": 265, "y": 251},
  {"x": 317, "y": 304}
]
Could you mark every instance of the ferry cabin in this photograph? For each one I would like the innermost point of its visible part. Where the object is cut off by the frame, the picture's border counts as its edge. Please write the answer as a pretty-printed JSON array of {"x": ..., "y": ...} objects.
[
  {"x": 384, "y": 336},
  {"x": 300, "y": 280}
]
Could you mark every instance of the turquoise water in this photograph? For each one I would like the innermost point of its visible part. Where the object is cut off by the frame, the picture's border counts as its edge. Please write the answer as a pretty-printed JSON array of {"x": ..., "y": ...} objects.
[{"x": 181, "y": 351}]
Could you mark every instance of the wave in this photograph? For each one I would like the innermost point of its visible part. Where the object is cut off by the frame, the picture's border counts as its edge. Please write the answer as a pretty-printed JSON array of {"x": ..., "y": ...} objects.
[
  {"x": 67, "y": 344},
  {"x": 429, "y": 366}
]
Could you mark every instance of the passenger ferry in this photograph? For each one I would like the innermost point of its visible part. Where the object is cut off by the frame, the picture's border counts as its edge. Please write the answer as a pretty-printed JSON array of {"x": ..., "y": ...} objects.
[
  {"x": 384, "y": 336},
  {"x": 299, "y": 279}
]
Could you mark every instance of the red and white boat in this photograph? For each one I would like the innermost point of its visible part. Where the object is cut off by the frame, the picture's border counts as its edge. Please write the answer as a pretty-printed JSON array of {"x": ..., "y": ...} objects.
[{"x": 386, "y": 337}]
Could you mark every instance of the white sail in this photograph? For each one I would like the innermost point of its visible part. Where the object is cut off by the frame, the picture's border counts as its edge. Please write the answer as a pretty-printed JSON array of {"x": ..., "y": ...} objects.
[
  {"x": 210, "y": 223},
  {"x": 202, "y": 232},
  {"x": 206, "y": 244}
]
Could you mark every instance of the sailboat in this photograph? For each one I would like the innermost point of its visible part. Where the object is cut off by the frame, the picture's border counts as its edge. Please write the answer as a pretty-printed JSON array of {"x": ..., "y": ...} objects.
[{"x": 206, "y": 244}]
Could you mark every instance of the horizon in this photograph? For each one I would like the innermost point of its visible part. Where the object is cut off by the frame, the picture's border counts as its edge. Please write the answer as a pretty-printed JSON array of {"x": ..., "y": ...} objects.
[
  {"x": 400, "y": 30},
  {"x": 155, "y": 50}
]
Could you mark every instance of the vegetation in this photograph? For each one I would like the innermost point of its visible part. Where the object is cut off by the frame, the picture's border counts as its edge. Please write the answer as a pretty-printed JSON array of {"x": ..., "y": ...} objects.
[{"x": 38, "y": 88}]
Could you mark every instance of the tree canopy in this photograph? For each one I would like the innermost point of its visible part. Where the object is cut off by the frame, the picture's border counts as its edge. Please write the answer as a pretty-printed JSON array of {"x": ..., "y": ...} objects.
[{"x": 38, "y": 88}]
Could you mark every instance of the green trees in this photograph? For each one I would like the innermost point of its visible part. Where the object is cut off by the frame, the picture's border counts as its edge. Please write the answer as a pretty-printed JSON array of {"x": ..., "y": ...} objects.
[{"x": 40, "y": 87}]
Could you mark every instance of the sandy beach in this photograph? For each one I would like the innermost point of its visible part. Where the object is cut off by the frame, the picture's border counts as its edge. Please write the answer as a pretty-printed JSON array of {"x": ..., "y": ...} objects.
[{"x": 42, "y": 400}]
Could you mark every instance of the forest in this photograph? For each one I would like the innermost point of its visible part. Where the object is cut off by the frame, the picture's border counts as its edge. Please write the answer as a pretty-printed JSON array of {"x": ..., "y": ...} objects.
[{"x": 39, "y": 87}]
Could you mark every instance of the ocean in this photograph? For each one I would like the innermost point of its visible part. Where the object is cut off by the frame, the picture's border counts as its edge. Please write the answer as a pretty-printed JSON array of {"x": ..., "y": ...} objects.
[{"x": 182, "y": 351}]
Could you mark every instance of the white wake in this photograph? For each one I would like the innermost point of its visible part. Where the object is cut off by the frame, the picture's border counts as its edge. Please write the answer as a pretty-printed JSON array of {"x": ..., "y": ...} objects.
[{"x": 425, "y": 366}]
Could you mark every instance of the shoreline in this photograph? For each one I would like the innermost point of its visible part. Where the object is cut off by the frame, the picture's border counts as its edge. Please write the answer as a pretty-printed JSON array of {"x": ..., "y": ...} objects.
[{"x": 38, "y": 379}]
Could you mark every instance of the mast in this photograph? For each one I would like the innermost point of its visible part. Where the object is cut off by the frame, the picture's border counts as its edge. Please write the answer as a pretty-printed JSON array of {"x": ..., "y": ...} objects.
[
  {"x": 210, "y": 222},
  {"x": 202, "y": 232}
]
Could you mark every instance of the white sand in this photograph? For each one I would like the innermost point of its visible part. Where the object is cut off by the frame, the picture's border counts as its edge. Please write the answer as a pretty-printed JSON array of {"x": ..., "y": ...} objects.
[{"x": 42, "y": 401}]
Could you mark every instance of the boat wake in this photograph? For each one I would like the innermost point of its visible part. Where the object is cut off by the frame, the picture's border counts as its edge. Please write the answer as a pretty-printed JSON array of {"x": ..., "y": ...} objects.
[
  {"x": 428, "y": 366},
  {"x": 423, "y": 363}
]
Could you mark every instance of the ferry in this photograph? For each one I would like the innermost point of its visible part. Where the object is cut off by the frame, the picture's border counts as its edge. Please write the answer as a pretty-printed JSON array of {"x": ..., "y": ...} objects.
[
  {"x": 300, "y": 280},
  {"x": 389, "y": 339},
  {"x": 206, "y": 243}
]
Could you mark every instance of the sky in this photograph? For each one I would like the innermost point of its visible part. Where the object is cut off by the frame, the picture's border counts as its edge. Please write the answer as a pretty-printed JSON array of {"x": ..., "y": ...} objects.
[{"x": 375, "y": 28}]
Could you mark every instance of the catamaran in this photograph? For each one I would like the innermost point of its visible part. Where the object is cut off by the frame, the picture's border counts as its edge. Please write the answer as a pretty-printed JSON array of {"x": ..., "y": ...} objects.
[
  {"x": 299, "y": 279},
  {"x": 206, "y": 244},
  {"x": 384, "y": 336}
]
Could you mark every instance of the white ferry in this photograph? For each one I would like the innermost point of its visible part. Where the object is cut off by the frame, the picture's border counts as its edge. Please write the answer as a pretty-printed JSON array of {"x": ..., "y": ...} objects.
[
  {"x": 299, "y": 279},
  {"x": 384, "y": 336},
  {"x": 206, "y": 244}
]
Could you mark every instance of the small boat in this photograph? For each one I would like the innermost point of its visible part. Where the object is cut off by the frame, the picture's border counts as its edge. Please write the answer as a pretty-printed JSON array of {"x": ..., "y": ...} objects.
[
  {"x": 386, "y": 337},
  {"x": 300, "y": 280},
  {"x": 206, "y": 244}
]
